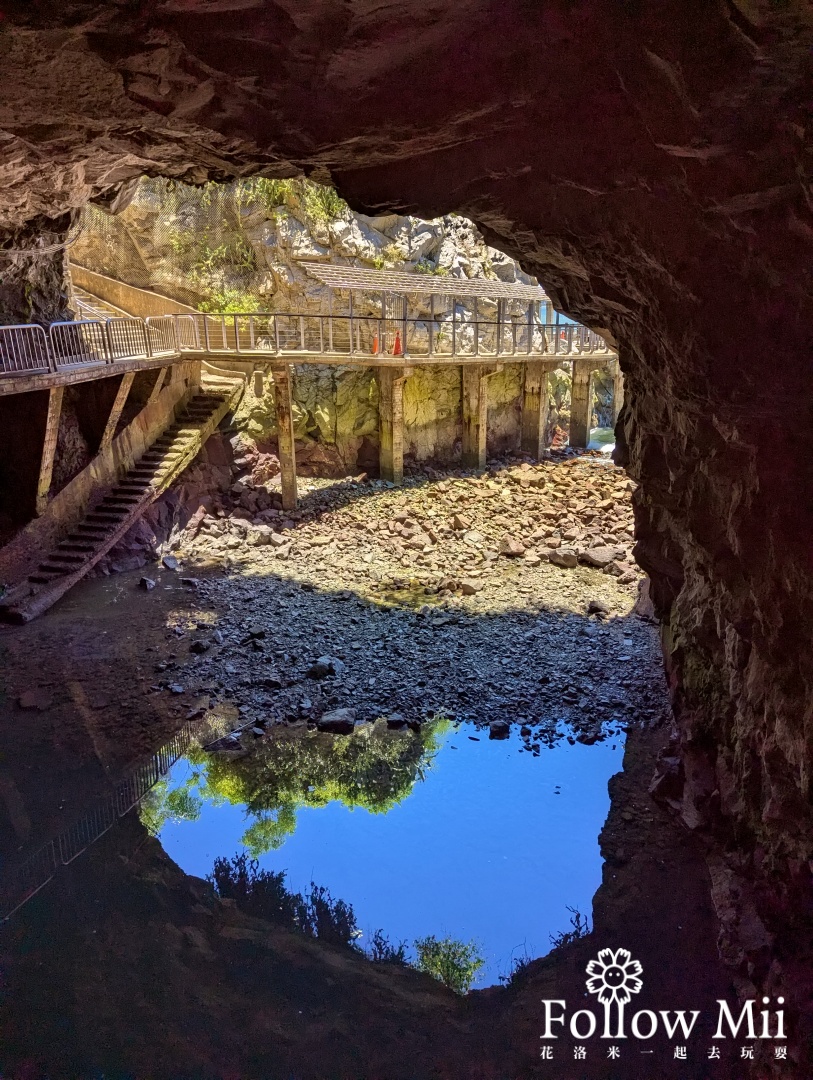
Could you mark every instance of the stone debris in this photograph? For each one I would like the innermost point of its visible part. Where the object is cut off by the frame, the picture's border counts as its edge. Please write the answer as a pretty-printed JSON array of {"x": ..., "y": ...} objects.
[
  {"x": 338, "y": 722},
  {"x": 387, "y": 628}
]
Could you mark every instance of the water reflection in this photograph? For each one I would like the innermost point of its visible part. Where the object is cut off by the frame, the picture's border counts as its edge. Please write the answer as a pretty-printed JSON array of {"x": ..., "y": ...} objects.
[
  {"x": 375, "y": 769},
  {"x": 443, "y": 832}
]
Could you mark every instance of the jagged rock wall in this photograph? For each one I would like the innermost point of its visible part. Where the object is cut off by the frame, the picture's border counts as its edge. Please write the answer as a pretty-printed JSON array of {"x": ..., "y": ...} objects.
[
  {"x": 650, "y": 162},
  {"x": 245, "y": 247}
]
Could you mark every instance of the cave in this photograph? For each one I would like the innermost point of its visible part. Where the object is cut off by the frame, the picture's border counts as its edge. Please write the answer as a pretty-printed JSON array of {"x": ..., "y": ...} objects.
[{"x": 648, "y": 164}]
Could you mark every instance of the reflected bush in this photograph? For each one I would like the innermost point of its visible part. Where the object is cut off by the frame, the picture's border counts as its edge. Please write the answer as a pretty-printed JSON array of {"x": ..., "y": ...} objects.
[
  {"x": 261, "y": 893},
  {"x": 264, "y": 894},
  {"x": 580, "y": 927},
  {"x": 454, "y": 963},
  {"x": 382, "y": 951}
]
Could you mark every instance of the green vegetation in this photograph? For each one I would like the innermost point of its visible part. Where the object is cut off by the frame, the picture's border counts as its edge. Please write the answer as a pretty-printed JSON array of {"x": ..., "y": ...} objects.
[
  {"x": 319, "y": 203},
  {"x": 263, "y": 894},
  {"x": 374, "y": 769},
  {"x": 454, "y": 963},
  {"x": 226, "y": 301},
  {"x": 426, "y": 266}
]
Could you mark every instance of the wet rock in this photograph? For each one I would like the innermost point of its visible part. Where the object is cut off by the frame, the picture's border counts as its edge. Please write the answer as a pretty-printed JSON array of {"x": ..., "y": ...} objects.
[
  {"x": 199, "y": 646},
  {"x": 169, "y": 562},
  {"x": 499, "y": 729},
  {"x": 338, "y": 722},
  {"x": 325, "y": 666},
  {"x": 146, "y": 584}
]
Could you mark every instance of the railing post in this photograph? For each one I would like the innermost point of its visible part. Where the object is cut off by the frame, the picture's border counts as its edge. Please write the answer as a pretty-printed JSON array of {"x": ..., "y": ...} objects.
[
  {"x": 302, "y": 332},
  {"x": 432, "y": 325},
  {"x": 237, "y": 334},
  {"x": 454, "y": 326},
  {"x": 206, "y": 333}
]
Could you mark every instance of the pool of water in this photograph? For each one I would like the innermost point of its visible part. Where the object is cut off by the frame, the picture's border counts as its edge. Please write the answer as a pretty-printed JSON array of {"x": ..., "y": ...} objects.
[{"x": 482, "y": 842}]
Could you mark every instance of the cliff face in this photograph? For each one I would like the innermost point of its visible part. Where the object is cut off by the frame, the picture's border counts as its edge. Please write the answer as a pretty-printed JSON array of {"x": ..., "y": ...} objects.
[
  {"x": 246, "y": 246},
  {"x": 650, "y": 163}
]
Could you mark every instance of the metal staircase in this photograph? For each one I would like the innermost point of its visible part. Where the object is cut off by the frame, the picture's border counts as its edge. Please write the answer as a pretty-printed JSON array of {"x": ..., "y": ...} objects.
[{"x": 110, "y": 517}]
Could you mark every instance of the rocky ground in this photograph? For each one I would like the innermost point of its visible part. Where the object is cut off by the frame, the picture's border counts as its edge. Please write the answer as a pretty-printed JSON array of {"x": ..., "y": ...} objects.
[{"x": 505, "y": 597}]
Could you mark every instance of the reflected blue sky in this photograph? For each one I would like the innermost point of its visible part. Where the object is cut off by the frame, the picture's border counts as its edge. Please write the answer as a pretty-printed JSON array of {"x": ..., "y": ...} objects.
[{"x": 492, "y": 845}]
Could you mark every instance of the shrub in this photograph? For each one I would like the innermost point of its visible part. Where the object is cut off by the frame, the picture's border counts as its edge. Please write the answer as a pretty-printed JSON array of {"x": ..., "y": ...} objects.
[
  {"x": 452, "y": 962},
  {"x": 382, "y": 951},
  {"x": 580, "y": 925},
  {"x": 426, "y": 266},
  {"x": 320, "y": 916},
  {"x": 264, "y": 894},
  {"x": 257, "y": 892},
  {"x": 519, "y": 969}
]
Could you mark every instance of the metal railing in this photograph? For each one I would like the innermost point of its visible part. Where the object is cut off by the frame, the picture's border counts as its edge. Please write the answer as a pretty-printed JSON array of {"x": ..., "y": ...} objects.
[
  {"x": 94, "y": 342},
  {"x": 369, "y": 336},
  {"x": 27, "y": 879},
  {"x": 29, "y": 350},
  {"x": 24, "y": 350}
]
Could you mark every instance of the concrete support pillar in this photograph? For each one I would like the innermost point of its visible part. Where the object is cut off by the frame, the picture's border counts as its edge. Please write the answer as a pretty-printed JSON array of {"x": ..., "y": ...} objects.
[
  {"x": 535, "y": 408},
  {"x": 49, "y": 447},
  {"x": 285, "y": 434},
  {"x": 581, "y": 402},
  {"x": 391, "y": 422},
  {"x": 158, "y": 385},
  {"x": 115, "y": 412},
  {"x": 475, "y": 416},
  {"x": 618, "y": 391}
]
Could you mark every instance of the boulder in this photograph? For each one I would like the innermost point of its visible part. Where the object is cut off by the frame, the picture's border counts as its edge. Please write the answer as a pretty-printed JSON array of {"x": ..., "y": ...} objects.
[
  {"x": 511, "y": 546},
  {"x": 564, "y": 557},
  {"x": 600, "y": 557},
  {"x": 338, "y": 722}
]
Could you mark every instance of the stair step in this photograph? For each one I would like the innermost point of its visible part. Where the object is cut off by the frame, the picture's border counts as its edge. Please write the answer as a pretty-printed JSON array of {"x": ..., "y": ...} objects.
[
  {"x": 116, "y": 500},
  {"x": 75, "y": 545},
  {"x": 53, "y": 571},
  {"x": 59, "y": 556},
  {"x": 42, "y": 579}
]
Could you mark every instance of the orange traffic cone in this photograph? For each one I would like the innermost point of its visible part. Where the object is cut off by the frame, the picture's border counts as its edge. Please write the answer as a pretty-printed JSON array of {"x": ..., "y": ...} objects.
[
  {"x": 375, "y": 345},
  {"x": 396, "y": 349}
]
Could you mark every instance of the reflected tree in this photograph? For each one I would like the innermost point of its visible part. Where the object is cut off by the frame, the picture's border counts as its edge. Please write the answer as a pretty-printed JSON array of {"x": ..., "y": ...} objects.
[{"x": 374, "y": 769}]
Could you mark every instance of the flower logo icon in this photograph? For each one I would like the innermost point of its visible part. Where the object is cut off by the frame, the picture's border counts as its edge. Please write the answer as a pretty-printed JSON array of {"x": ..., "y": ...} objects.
[{"x": 614, "y": 979}]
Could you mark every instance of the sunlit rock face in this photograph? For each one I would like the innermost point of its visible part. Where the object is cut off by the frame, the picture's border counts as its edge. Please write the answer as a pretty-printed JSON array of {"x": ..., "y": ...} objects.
[{"x": 647, "y": 162}]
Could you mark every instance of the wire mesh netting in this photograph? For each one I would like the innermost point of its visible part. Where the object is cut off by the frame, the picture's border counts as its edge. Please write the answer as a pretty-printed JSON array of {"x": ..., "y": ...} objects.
[{"x": 177, "y": 239}]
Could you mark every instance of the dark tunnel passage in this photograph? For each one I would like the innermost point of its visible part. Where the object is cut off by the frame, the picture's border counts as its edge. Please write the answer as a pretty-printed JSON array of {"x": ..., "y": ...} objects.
[{"x": 650, "y": 165}]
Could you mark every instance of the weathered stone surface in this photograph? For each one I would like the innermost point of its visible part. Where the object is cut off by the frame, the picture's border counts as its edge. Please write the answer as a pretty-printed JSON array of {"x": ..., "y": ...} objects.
[
  {"x": 565, "y": 557},
  {"x": 338, "y": 722},
  {"x": 667, "y": 203}
]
